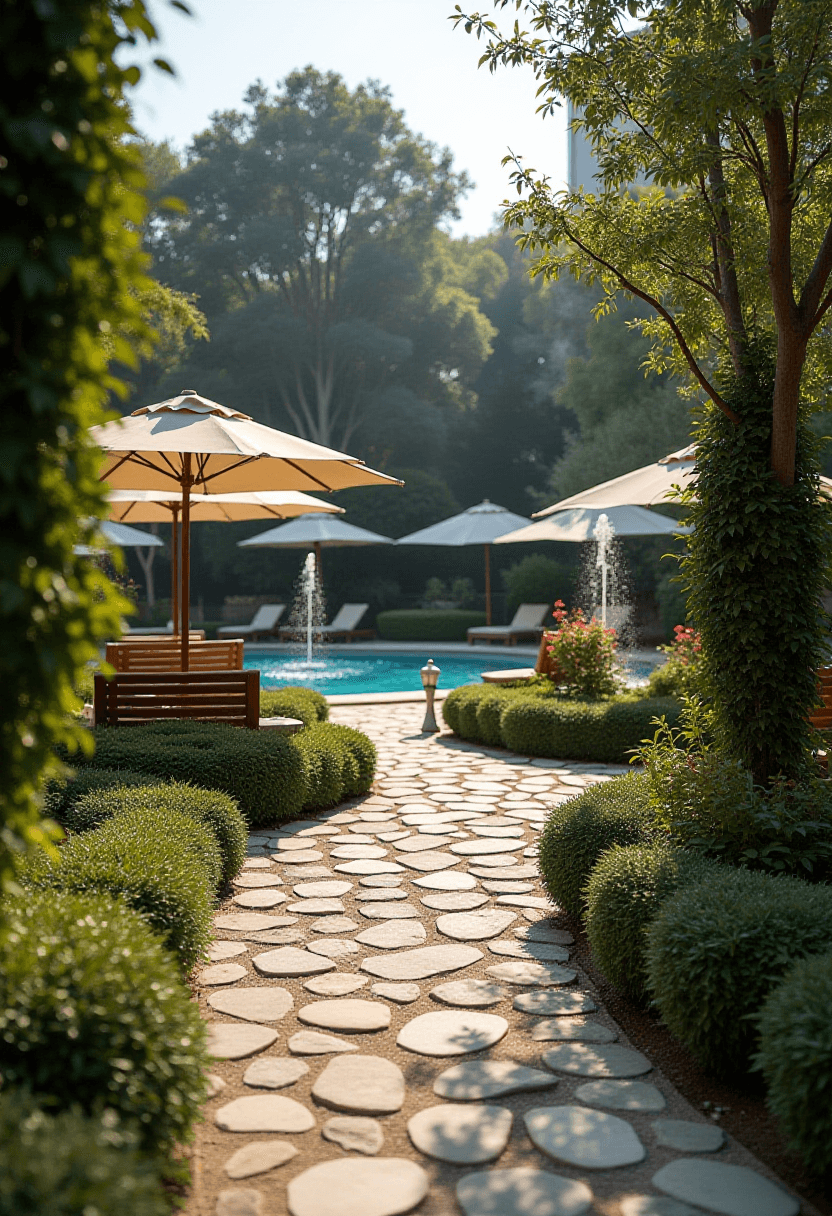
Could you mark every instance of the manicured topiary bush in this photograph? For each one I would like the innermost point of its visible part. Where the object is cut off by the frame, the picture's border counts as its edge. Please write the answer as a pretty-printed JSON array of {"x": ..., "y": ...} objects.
[
  {"x": 295, "y": 702},
  {"x": 454, "y": 704},
  {"x": 625, "y": 890},
  {"x": 579, "y": 830},
  {"x": 340, "y": 762},
  {"x": 93, "y": 1014},
  {"x": 427, "y": 625},
  {"x": 795, "y": 1057},
  {"x": 716, "y": 947},
  {"x": 71, "y": 1164},
  {"x": 213, "y": 809},
  {"x": 359, "y": 773},
  {"x": 603, "y": 731},
  {"x": 488, "y": 712},
  {"x": 62, "y": 793},
  {"x": 163, "y": 865}
]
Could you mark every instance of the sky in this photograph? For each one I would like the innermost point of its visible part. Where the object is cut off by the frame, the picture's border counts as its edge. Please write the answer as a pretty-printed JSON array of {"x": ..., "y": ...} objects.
[{"x": 409, "y": 45}]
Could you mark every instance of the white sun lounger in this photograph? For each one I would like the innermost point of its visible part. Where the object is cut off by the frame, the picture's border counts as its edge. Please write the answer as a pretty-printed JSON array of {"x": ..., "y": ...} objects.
[
  {"x": 264, "y": 621},
  {"x": 528, "y": 622}
]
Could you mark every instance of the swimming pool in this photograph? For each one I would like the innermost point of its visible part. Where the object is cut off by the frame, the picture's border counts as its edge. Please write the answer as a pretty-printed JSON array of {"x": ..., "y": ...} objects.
[{"x": 381, "y": 671}]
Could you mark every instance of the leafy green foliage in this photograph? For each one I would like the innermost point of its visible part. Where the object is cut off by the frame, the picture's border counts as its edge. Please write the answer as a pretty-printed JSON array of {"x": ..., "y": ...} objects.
[
  {"x": 340, "y": 762},
  {"x": 295, "y": 702},
  {"x": 582, "y": 653},
  {"x": 70, "y": 276},
  {"x": 625, "y": 890},
  {"x": 535, "y": 579},
  {"x": 62, "y": 793},
  {"x": 161, "y": 864},
  {"x": 678, "y": 676},
  {"x": 93, "y": 1013},
  {"x": 70, "y": 1164},
  {"x": 795, "y": 1057},
  {"x": 213, "y": 809},
  {"x": 715, "y": 948},
  {"x": 427, "y": 624},
  {"x": 580, "y": 830}
]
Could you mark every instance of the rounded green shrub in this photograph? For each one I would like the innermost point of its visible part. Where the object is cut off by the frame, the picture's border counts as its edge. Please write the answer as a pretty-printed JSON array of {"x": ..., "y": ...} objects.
[
  {"x": 427, "y": 624},
  {"x": 569, "y": 729},
  {"x": 489, "y": 712},
  {"x": 295, "y": 702},
  {"x": 71, "y": 1164},
  {"x": 340, "y": 762},
  {"x": 625, "y": 890},
  {"x": 715, "y": 948},
  {"x": 360, "y": 772},
  {"x": 795, "y": 1057},
  {"x": 213, "y": 809},
  {"x": 579, "y": 830},
  {"x": 454, "y": 710},
  {"x": 161, "y": 864},
  {"x": 62, "y": 793},
  {"x": 93, "y": 1013}
]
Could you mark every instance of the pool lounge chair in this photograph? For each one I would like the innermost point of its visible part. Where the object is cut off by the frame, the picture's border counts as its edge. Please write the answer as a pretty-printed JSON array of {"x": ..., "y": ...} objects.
[
  {"x": 344, "y": 625},
  {"x": 528, "y": 622},
  {"x": 264, "y": 621}
]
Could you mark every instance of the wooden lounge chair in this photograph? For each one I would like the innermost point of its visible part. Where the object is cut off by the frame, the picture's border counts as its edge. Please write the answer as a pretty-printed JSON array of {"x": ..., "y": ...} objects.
[
  {"x": 344, "y": 625},
  {"x": 528, "y": 622},
  {"x": 165, "y": 654},
  {"x": 263, "y": 622},
  {"x": 131, "y": 697}
]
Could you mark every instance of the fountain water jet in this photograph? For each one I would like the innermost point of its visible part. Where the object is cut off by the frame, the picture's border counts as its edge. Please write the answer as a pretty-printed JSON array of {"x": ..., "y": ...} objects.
[{"x": 308, "y": 615}]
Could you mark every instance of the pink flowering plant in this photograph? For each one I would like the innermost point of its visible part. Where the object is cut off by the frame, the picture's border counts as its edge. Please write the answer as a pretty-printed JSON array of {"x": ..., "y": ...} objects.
[
  {"x": 582, "y": 653},
  {"x": 679, "y": 676}
]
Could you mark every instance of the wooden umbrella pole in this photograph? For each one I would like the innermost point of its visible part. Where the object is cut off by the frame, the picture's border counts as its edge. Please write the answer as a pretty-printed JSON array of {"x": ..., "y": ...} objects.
[
  {"x": 487, "y": 584},
  {"x": 174, "y": 569},
  {"x": 185, "y": 596}
]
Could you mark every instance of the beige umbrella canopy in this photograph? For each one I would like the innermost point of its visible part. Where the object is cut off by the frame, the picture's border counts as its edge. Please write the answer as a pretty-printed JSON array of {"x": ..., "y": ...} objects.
[{"x": 196, "y": 444}]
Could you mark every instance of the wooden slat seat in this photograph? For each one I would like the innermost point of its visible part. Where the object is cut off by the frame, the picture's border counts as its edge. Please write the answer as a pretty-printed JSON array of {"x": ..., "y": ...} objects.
[
  {"x": 821, "y": 718},
  {"x": 128, "y": 698},
  {"x": 156, "y": 654}
]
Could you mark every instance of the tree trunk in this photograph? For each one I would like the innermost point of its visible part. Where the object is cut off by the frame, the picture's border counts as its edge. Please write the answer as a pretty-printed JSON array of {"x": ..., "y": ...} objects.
[{"x": 791, "y": 356}]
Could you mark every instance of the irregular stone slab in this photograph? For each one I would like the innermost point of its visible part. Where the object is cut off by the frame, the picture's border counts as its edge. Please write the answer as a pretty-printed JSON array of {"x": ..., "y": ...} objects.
[
  {"x": 264, "y": 1113},
  {"x": 389, "y": 911},
  {"x": 253, "y": 1004},
  {"x": 259, "y": 1157},
  {"x": 291, "y": 961},
  {"x": 470, "y": 994},
  {"x": 393, "y": 935},
  {"x": 422, "y": 964},
  {"x": 455, "y": 901},
  {"x": 589, "y": 1060},
  {"x": 427, "y": 862},
  {"x": 355, "y": 1133},
  {"x": 451, "y": 1033},
  {"x": 414, "y": 845},
  {"x": 656, "y": 1205},
  {"x": 368, "y": 852},
  {"x": 232, "y": 1041},
  {"x": 474, "y": 926},
  {"x": 241, "y": 922},
  {"x": 369, "y": 1085},
  {"x": 301, "y": 857},
  {"x": 578, "y": 1030},
  {"x": 493, "y": 861},
  {"x": 332, "y": 948},
  {"x": 313, "y": 1043},
  {"x": 554, "y": 1004},
  {"x": 527, "y": 901},
  {"x": 686, "y": 1136},
  {"x": 369, "y": 867},
  {"x": 623, "y": 1095},
  {"x": 222, "y": 973},
  {"x": 258, "y": 880},
  {"x": 326, "y": 889},
  {"x": 522, "y": 1191},
  {"x": 274, "y": 1072},
  {"x": 356, "y": 838},
  {"x": 337, "y": 983},
  {"x": 239, "y": 1203},
  {"x": 496, "y": 831},
  {"x": 508, "y": 868},
  {"x": 310, "y": 872},
  {"x": 257, "y": 863},
  {"x": 380, "y": 1186},
  {"x": 451, "y": 880},
  {"x": 215, "y": 1085},
  {"x": 348, "y": 1016},
  {"x": 268, "y": 897},
  {"x": 380, "y": 880},
  {"x": 540, "y": 952},
  {"x": 540, "y": 974},
  {"x": 289, "y": 844},
  {"x": 544, "y": 931},
  {"x": 402, "y": 994},
  {"x": 382, "y": 895},
  {"x": 463, "y": 1135},
  {"x": 476, "y": 848},
  {"x": 588, "y": 1139},
  {"x": 316, "y": 907},
  {"x": 474, "y": 1080},
  {"x": 333, "y": 924},
  {"x": 733, "y": 1190},
  {"x": 503, "y": 887}
]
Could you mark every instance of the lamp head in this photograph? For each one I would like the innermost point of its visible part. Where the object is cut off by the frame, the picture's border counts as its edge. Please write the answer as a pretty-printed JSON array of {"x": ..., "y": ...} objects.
[{"x": 430, "y": 674}]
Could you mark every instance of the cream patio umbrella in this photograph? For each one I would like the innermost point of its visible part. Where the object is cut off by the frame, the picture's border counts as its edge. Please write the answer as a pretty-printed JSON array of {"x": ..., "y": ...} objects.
[
  {"x": 189, "y": 441},
  {"x": 315, "y": 532},
  {"x": 578, "y": 524},
  {"x": 163, "y": 506}
]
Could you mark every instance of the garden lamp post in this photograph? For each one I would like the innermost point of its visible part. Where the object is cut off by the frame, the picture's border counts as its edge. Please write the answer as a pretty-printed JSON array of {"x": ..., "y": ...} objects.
[
  {"x": 603, "y": 533},
  {"x": 430, "y": 678}
]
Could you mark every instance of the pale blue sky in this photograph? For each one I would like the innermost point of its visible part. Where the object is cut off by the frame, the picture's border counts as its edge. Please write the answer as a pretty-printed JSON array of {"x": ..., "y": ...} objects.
[{"x": 407, "y": 44}]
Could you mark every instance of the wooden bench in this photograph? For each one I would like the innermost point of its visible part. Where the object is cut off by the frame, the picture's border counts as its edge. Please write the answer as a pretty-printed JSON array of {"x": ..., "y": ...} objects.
[
  {"x": 545, "y": 666},
  {"x": 128, "y": 698},
  {"x": 155, "y": 654}
]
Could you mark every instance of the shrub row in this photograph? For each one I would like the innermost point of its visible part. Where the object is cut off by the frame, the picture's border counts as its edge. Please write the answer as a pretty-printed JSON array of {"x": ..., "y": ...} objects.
[
  {"x": 427, "y": 625},
  {"x": 295, "y": 702},
  {"x": 532, "y": 721}
]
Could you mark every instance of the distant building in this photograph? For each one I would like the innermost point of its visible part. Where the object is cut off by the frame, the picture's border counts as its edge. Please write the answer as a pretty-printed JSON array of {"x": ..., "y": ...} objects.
[{"x": 582, "y": 168}]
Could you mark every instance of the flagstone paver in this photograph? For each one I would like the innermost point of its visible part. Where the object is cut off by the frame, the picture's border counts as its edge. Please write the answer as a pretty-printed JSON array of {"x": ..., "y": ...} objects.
[{"x": 447, "y": 841}]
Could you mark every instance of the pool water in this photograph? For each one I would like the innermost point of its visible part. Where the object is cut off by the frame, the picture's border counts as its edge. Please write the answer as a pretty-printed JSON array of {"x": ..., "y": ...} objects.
[{"x": 371, "y": 672}]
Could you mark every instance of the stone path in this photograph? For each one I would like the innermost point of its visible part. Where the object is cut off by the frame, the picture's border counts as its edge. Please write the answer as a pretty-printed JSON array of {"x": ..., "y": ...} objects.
[{"x": 402, "y": 1030}]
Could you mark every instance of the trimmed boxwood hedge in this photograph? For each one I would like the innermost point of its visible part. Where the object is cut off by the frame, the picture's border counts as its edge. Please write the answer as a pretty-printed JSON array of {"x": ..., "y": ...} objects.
[
  {"x": 580, "y": 829},
  {"x": 163, "y": 865},
  {"x": 626, "y": 888},
  {"x": 795, "y": 1057},
  {"x": 532, "y": 720},
  {"x": 295, "y": 702},
  {"x": 62, "y": 793},
  {"x": 93, "y": 1014},
  {"x": 70, "y": 1164},
  {"x": 716, "y": 947},
  {"x": 426, "y": 624},
  {"x": 213, "y": 809},
  {"x": 340, "y": 763}
]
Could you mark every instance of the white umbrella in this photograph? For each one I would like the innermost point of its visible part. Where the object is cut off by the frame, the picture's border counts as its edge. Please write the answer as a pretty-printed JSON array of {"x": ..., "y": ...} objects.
[
  {"x": 479, "y": 525},
  {"x": 120, "y": 534},
  {"x": 579, "y": 524},
  {"x": 314, "y": 532}
]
